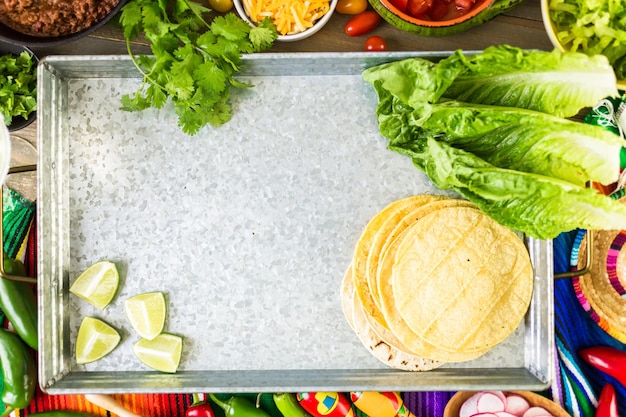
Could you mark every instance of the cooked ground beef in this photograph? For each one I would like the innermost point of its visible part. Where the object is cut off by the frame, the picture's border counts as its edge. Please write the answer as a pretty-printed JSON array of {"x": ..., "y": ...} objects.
[{"x": 53, "y": 17}]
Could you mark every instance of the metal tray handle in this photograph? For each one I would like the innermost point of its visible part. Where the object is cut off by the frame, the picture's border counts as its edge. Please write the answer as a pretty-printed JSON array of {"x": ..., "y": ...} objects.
[{"x": 588, "y": 262}]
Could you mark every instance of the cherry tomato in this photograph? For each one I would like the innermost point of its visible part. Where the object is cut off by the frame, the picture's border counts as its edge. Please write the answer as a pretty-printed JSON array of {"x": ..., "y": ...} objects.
[
  {"x": 375, "y": 44},
  {"x": 221, "y": 6},
  {"x": 418, "y": 8},
  {"x": 464, "y": 5},
  {"x": 362, "y": 23},
  {"x": 439, "y": 10},
  {"x": 351, "y": 6},
  {"x": 399, "y": 4}
]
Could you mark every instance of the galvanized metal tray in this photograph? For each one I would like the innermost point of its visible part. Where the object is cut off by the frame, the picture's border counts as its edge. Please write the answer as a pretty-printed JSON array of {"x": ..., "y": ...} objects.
[{"x": 248, "y": 228}]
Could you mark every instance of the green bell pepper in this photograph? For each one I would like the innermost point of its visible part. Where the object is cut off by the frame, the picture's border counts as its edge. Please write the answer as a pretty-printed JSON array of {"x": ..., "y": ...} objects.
[{"x": 18, "y": 370}]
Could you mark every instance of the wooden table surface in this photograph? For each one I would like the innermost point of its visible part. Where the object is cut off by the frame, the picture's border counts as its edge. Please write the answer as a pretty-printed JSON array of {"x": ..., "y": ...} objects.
[{"x": 519, "y": 26}]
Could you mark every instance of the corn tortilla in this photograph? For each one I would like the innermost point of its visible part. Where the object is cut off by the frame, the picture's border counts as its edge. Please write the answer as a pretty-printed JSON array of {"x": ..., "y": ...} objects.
[
  {"x": 381, "y": 350},
  {"x": 397, "y": 324},
  {"x": 391, "y": 229},
  {"x": 461, "y": 281},
  {"x": 363, "y": 247}
]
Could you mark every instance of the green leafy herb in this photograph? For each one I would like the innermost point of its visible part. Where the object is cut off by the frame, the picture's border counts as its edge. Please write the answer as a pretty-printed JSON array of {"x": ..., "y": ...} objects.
[
  {"x": 525, "y": 168},
  {"x": 194, "y": 60},
  {"x": 18, "y": 86},
  {"x": 538, "y": 205},
  {"x": 555, "y": 82}
]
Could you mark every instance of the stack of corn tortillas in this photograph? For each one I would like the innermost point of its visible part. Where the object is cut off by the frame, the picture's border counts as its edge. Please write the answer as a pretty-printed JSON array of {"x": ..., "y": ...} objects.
[{"x": 435, "y": 280}]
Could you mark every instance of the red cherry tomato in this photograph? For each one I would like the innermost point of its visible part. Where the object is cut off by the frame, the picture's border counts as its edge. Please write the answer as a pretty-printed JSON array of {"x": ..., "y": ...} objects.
[
  {"x": 399, "y": 4},
  {"x": 464, "y": 5},
  {"x": 351, "y": 6},
  {"x": 439, "y": 10},
  {"x": 418, "y": 8},
  {"x": 362, "y": 23},
  {"x": 375, "y": 44}
]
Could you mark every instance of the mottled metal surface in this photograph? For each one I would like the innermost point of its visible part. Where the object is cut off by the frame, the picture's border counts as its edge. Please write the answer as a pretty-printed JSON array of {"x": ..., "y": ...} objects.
[{"x": 248, "y": 228}]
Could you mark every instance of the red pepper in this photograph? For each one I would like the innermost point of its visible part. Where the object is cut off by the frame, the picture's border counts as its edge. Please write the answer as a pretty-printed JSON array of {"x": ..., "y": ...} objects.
[
  {"x": 607, "y": 359},
  {"x": 199, "y": 408},
  {"x": 607, "y": 404},
  {"x": 325, "y": 404}
]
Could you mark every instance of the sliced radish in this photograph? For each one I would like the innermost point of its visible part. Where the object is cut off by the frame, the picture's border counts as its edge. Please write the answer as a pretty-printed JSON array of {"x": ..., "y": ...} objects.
[
  {"x": 537, "y": 412},
  {"x": 516, "y": 404},
  {"x": 491, "y": 401},
  {"x": 470, "y": 406},
  {"x": 484, "y": 402},
  {"x": 506, "y": 414},
  {"x": 485, "y": 415}
]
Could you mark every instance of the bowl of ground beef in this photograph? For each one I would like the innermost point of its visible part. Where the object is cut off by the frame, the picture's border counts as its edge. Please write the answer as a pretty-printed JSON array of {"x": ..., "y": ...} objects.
[{"x": 40, "y": 23}]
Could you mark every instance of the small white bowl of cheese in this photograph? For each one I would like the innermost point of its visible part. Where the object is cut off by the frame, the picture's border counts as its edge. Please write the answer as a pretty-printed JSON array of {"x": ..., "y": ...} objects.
[{"x": 294, "y": 19}]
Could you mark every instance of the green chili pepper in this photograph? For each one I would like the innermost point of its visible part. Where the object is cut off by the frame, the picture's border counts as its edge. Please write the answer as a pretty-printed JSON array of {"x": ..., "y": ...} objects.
[
  {"x": 238, "y": 407},
  {"x": 18, "y": 302},
  {"x": 288, "y": 405},
  {"x": 18, "y": 370}
]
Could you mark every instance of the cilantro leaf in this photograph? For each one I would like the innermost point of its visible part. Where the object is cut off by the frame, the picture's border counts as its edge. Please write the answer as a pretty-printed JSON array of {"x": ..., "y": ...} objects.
[{"x": 193, "y": 60}]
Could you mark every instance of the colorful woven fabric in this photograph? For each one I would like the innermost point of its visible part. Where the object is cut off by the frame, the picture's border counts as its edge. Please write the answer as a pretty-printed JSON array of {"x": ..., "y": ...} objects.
[
  {"x": 18, "y": 214},
  {"x": 427, "y": 404},
  {"x": 149, "y": 405},
  {"x": 578, "y": 384}
]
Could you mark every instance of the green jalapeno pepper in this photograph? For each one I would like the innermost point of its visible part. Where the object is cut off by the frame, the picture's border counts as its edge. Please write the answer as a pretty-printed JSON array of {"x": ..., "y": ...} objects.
[
  {"x": 18, "y": 302},
  {"x": 238, "y": 407},
  {"x": 288, "y": 405},
  {"x": 18, "y": 370}
]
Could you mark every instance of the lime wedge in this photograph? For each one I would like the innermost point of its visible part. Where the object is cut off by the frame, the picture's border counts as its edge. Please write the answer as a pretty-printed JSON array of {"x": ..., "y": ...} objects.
[
  {"x": 95, "y": 340},
  {"x": 146, "y": 313},
  {"x": 161, "y": 353},
  {"x": 97, "y": 284}
]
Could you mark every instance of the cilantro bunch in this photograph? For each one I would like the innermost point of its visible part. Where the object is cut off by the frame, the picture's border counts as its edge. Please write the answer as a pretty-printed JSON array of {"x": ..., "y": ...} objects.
[
  {"x": 194, "y": 60},
  {"x": 18, "y": 86}
]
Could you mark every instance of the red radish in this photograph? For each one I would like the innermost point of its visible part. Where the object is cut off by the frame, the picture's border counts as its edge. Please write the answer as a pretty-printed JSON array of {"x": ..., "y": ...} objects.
[
  {"x": 484, "y": 402},
  {"x": 490, "y": 402},
  {"x": 537, "y": 412},
  {"x": 506, "y": 414},
  {"x": 485, "y": 415},
  {"x": 516, "y": 404}
]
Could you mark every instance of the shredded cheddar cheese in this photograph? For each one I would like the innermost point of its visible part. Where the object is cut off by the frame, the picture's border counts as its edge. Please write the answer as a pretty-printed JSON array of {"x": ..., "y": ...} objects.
[{"x": 290, "y": 16}]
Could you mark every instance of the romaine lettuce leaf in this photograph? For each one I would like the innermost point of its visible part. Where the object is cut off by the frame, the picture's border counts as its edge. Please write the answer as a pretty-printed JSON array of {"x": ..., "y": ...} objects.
[
  {"x": 507, "y": 137},
  {"x": 525, "y": 140},
  {"x": 539, "y": 206},
  {"x": 559, "y": 83}
]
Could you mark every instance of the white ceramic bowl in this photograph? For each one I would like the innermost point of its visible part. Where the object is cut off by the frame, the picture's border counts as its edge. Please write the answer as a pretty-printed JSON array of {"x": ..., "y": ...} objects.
[
  {"x": 551, "y": 30},
  {"x": 5, "y": 152},
  {"x": 319, "y": 24}
]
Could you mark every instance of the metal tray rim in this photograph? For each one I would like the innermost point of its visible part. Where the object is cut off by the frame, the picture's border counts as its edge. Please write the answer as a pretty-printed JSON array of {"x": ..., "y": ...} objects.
[{"x": 56, "y": 375}]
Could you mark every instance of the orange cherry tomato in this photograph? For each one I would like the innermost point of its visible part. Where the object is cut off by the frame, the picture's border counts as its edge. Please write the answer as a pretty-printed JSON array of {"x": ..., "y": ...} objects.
[
  {"x": 375, "y": 44},
  {"x": 351, "y": 6},
  {"x": 362, "y": 23}
]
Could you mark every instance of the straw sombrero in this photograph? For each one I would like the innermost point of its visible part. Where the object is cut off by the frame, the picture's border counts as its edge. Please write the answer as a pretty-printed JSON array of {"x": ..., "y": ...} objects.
[{"x": 601, "y": 291}]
